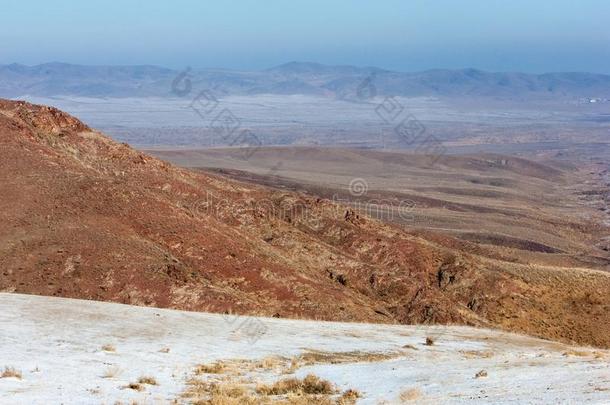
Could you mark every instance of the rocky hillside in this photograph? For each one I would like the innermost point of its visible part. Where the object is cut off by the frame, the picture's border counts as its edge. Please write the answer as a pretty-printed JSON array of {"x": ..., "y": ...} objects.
[{"x": 82, "y": 216}]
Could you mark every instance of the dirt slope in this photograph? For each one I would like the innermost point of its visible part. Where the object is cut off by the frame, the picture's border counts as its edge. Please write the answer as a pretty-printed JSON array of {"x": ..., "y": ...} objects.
[{"x": 82, "y": 216}]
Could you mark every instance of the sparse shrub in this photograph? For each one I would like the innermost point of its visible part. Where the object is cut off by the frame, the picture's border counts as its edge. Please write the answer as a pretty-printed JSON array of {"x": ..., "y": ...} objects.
[
  {"x": 224, "y": 389},
  {"x": 311, "y": 385},
  {"x": 349, "y": 397},
  {"x": 135, "y": 386},
  {"x": 236, "y": 388},
  {"x": 147, "y": 380},
  {"x": 221, "y": 399},
  {"x": 430, "y": 341},
  {"x": 214, "y": 368},
  {"x": 480, "y": 374},
  {"x": 294, "y": 365},
  {"x": 218, "y": 393},
  {"x": 109, "y": 348},
  {"x": 270, "y": 362},
  {"x": 231, "y": 390},
  {"x": 11, "y": 372}
]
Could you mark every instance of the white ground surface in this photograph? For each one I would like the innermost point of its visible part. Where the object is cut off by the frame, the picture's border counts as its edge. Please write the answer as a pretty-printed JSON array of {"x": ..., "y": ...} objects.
[{"x": 57, "y": 345}]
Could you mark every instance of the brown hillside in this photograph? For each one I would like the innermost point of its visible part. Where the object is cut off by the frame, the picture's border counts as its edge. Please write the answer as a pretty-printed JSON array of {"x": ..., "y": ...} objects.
[{"x": 82, "y": 216}]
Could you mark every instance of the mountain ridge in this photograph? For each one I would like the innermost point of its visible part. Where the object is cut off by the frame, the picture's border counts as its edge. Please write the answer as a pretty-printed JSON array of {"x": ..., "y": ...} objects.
[{"x": 340, "y": 81}]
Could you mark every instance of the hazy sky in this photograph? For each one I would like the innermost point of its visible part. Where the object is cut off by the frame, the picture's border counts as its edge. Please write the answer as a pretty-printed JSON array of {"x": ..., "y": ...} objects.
[{"x": 532, "y": 35}]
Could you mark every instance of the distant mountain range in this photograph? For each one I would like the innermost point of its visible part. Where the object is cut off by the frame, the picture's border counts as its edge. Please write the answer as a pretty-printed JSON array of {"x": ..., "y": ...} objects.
[{"x": 344, "y": 82}]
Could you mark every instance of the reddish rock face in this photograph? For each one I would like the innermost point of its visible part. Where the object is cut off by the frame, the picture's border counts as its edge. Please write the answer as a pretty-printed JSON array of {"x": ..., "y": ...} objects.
[{"x": 82, "y": 216}]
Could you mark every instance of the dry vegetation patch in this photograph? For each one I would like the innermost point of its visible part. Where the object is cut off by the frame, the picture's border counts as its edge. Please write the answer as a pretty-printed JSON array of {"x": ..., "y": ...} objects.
[
  {"x": 147, "y": 380},
  {"x": 214, "y": 368},
  {"x": 480, "y": 374},
  {"x": 11, "y": 372},
  {"x": 134, "y": 386},
  {"x": 349, "y": 397},
  {"x": 272, "y": 362},
  {"x": 411, "y": 394},
  {"x": 311, "y": 384},
  {"x": 285, "y": 365},
  {"x": 576, "y": 353},
  {"x": 309, "y": 390},
  {"x": 320, "y": 357},
  {"x": 233, "y": 382},
  {"x": 476, "y": 354}
]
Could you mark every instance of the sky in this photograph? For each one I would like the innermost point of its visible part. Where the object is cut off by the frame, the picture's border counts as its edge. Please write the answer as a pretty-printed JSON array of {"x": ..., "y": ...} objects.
[{"x": 530, "y": 36}]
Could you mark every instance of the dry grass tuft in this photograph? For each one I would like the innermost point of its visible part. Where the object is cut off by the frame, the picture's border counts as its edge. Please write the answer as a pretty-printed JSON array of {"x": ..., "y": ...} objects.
[
  {"x": 214, "y": 368},
  {"x": 214, "y": 393},
  {"x": 112, "y": 372},
  {"x": 349, "y": 397},
  {"x": 224, "y": 400},
  {"x": 319, "y": 357},
  {"x": 294, "y": 365},
  {"x": 147, "y": 380},
  {"x": 578, "y": 353},
  {"x": 201, "y": 387},
  {"x": 219, "y": 399},
  {"x": 237, "y": 385},
  {"x": 135, "y": 386},
  {"x": 109, "y": 348},
  {"x": 310, "y": 385},
  {"x": 11, "y": 372},
  {"x": 271, "y": 362},
  {"x": 411, "y": 394},
  {"x": 476, "y": 354}
]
